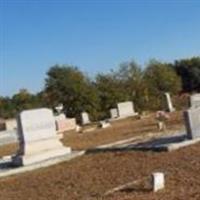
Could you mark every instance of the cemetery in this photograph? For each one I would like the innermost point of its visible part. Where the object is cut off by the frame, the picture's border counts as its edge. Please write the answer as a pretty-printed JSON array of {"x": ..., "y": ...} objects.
[
  {"x": 71, "y": 170},
  {"x": 99, "y": 100}
]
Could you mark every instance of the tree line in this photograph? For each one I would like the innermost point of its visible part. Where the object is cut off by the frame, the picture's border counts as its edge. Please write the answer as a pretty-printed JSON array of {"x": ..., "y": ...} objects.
[{"x": 78, "y": 92}]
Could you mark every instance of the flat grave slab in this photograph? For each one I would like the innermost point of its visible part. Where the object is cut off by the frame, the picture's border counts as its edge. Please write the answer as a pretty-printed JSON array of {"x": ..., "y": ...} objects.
[{"x": 7, "y": 168}]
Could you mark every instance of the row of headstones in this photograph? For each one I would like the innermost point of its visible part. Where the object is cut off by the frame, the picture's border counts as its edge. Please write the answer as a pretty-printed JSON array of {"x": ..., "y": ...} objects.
[
  {"x": 126, "y": 109},
  {"x": 39, "y": 140}
]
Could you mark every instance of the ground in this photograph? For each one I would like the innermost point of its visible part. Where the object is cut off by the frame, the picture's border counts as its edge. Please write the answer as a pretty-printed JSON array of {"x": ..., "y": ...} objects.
[{"x": 89, "y": 177}]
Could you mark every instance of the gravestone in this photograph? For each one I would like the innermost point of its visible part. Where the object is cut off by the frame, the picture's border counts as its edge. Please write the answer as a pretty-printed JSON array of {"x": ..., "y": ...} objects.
[
  {"x": 11, "y": 124},
  {"x": 195, "y": 100},
  {"x": 126, "y": 109},
  {"x": 169, "y": 103},
  {"x": 113, "y": 113},
  {"x": 66, "y": 124},
  {"x": 192, "y": 122},
  {"x": 85, "y": 118},
  {"x": 37, "y": 137},
  {"x": 158, "y": 181}
]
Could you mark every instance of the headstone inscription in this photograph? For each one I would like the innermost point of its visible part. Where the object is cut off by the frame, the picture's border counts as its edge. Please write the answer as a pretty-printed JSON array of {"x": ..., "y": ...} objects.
[
  {"x": 37, "y": 137},
  {"x": 192, "y": 122},
  {"x": 195, "y": 100},
  {"x": 126, "y": 109}
]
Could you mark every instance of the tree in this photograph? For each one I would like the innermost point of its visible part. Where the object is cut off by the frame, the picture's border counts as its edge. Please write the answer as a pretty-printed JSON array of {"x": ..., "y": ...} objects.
[
  {"x": 110, "y": 91},
  {"x": 189, "y": 71},
  {"x": 132, "y": 78},
  {"x": 25, "y": 100},
  {"x": 69, "y": 86},
  {"x": 160, "y": 78}
]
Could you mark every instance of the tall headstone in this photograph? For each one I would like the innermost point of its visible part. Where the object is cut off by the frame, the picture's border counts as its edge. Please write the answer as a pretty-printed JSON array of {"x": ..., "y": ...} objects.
[
  {"x": 126, "y": 109},
  {"x": 169, "y": 103},
  {"x": 85, "y": 118},
  {"x": 192, "y": 122},
  {"x": 195, "y": 100},
  {"x": 113, "y": 113},
  {"x": 37, "y": 137}
]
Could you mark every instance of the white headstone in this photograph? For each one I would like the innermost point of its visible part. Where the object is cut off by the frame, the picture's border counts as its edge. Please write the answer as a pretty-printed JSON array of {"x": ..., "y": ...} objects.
[
  {"x": 85, "y": 118},
  {"x": 113, "y": 113},
  {"x": 192, "y": 122},
  {"x": 169, "y": 102},
  {"x": 11, "y": 124},
  {"x": 38, "y": 138},
  {"x": 158, "y": 181},
  {"x": 195, "y": 100},
  {"x": 126, "y": 109}
]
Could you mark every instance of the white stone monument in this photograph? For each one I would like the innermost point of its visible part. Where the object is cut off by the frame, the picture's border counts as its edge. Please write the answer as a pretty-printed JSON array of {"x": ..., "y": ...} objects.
[
  {"x": 192, "y": 122},
  {"x": 195, "y": 100},
  {"x": 126, "y": 109},
  {"x": 113, "y": 113},
  {"x": 11, "y": 124},
  {"x": 158, "y": 181},
  {"x": 38, "y": 138},
  {"x": 85, "y": 118},
  {"x": 169, "y": 102}
]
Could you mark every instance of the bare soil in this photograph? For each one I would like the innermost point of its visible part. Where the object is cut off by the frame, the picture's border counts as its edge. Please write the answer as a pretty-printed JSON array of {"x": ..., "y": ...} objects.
[{"x": 90, "y": 176}]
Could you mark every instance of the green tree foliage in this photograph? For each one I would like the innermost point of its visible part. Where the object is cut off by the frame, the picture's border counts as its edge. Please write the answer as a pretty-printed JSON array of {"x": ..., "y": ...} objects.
[
  {"x": 69, "y": 86},
  {"x": 189, "y": 70},
  {"x": 131, "y": 77},
  {"x": 110, "y": 91},
  {"x": 160, "y": 78},
  {"x": 145, "y": 87},
  {"x": 9, "y": 107}
]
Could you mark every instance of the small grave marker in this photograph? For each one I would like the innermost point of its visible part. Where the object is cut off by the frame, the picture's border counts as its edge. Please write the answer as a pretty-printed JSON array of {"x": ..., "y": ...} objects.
[{"x": 158, "y": 181}]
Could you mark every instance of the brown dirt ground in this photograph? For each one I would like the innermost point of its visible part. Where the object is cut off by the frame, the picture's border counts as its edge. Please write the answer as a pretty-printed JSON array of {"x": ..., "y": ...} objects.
[
  {"x": 90, "y": 176},
  {"x": 119, "y": 130}
]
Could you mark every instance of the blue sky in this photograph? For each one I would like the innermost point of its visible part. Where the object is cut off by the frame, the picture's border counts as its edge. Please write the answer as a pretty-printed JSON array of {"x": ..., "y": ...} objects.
[{"x": 93, "y": 35}]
